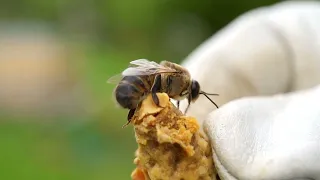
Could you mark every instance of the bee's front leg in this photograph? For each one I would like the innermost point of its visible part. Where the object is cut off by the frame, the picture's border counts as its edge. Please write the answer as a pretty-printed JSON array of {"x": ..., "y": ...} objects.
[
  {"x": 130, "y": 115},
  {"x": 189, "y": 101},
  {"x": 156, "y": 88}
]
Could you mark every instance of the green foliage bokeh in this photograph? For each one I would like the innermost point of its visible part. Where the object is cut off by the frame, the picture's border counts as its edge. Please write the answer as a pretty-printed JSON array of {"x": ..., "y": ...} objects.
[{"x": 109, "y": 33}]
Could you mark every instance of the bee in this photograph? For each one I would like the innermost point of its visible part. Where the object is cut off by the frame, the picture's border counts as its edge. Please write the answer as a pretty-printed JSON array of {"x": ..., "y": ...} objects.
[{"x": 144, "y": 77}]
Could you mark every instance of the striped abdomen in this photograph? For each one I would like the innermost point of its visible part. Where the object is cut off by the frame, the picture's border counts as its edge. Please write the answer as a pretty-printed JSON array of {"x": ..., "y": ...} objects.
[{"x": 131, "y": 90}]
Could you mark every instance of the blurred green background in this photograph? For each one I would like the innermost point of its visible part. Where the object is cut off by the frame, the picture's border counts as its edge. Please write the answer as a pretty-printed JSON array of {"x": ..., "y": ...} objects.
[{"x": 57, "y": 116}]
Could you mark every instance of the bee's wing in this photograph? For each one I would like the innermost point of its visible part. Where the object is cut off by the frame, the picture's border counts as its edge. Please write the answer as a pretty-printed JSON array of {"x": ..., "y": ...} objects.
[
  {"x": 115, "y": 79},
  {"x": 144, "y": 63},
  {"x": 144, "y": 67}
]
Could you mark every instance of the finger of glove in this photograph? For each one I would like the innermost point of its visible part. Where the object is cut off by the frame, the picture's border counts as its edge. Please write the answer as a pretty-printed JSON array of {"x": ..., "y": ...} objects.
[
  {"x": 267, "y": 137},
  {"x": 266, "y": 51}
]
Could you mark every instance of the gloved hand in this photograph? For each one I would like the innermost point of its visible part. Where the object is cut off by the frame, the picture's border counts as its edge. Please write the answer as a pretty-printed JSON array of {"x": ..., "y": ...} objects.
[{"x": 266, "y": 67}]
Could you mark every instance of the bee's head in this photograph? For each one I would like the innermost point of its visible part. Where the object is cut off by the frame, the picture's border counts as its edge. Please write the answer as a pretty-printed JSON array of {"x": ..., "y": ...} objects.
[{"x": 195, "y": 90}]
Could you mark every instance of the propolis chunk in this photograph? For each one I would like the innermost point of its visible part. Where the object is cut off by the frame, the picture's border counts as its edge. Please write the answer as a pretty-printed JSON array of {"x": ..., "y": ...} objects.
[{"x": 170, "y": 145}]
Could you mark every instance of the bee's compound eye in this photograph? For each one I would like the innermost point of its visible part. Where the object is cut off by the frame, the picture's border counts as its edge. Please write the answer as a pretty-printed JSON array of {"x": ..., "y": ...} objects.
[{"x": 195, "y": 89}]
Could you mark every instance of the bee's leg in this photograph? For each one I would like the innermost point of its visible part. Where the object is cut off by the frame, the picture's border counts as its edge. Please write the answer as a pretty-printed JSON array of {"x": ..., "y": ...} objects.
[
  {"x": 130, "y": 114},
  {"x": 178, "y": 104},
  {"x": 185, "y": 112},
  {"x": 189, "y": 101},
  {"x": 155, "y": 88}
]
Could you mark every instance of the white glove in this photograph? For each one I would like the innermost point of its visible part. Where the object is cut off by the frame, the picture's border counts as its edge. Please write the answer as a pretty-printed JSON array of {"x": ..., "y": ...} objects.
[{"x": 268, "y": 52}]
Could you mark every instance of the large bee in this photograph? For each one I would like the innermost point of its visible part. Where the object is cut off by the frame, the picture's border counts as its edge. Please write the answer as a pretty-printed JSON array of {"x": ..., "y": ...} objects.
[{"x": 143, "y": 77}]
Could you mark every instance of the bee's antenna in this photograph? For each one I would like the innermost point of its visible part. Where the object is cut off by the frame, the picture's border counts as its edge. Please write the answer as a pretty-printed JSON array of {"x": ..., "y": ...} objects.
[
  {"x": 206, "y": 95},
  {"x": 211, "y": 94}
]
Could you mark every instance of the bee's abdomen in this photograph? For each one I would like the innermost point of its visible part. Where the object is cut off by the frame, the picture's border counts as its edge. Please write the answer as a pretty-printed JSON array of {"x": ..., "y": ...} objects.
[{"x": 130, "y": 91}]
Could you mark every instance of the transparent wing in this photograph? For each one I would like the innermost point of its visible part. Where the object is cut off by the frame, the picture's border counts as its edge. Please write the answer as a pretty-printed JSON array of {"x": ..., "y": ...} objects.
[
  {"x": 145, "y": 63},
  {"x": 115, "y": 79},
  {"x": 144, "y": 67}
]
